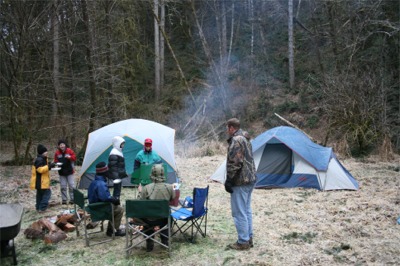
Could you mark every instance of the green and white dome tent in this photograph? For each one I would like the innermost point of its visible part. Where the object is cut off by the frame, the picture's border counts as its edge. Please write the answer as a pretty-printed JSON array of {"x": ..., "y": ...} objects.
[{"x": 134, "y": 132}]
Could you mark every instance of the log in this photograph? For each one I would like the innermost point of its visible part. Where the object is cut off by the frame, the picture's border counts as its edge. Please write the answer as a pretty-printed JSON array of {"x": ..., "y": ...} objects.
[
  {"x": 55, "y": 237},
  {"x": 32, "y": 233},
  {"x": 69, "y": 228},
  {"x": 49, "y": 225},
  {"x": 65, "y": 222}
]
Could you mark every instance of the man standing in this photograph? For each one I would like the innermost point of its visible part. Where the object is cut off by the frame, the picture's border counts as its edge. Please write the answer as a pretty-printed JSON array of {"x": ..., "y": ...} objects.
[
  {"x": 67, "y": 157},
  {"x": 240, "y": 180}
]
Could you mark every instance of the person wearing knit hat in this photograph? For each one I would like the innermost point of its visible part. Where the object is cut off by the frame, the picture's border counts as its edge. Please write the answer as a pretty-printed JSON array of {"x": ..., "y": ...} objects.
[
  {"x": 65, "y": 157},
  {"x": 98, "y": 192},
  {"x": 40, "y": 179},
  {"x": 41, "y": 149}
]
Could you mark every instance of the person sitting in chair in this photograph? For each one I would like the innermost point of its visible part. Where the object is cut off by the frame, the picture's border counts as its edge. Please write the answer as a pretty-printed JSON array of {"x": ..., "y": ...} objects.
[
  {"x": 158, "y": 190},
  {"x": 98, "y": 192}
]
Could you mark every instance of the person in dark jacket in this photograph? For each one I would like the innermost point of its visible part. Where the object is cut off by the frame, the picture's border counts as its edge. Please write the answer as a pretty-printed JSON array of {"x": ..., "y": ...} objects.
[
  {"x": 240, "y": 180},
  {"x": 116, "y": 165},
  {"x": 40, "y": 179},
  {"x": 67, "y": 158},
  {"x": 98, "y": 192}
]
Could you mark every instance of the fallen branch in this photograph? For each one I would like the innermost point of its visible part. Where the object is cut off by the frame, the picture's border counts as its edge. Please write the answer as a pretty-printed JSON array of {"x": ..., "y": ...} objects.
[{"x": 292, "y": 125}]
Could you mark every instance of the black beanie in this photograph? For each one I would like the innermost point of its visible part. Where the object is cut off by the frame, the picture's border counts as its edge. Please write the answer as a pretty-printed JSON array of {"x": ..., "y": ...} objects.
[
  {"x": 41, "y": 149},
  {"x": 101, "y": 168}
]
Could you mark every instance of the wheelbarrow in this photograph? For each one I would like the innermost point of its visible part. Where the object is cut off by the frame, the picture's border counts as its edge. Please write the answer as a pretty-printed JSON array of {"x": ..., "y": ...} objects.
[{"x": 10, "y": 224}]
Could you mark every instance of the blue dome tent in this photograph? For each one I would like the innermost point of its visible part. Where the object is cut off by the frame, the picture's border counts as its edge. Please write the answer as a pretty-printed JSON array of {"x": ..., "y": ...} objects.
[{"x": 286, "y": 157}]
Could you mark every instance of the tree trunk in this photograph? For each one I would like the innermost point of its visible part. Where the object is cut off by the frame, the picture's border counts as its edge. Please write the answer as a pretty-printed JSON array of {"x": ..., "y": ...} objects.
[
  {"x": 110, "y": 99},
  {"x": 89, "y": 61},
  {"x": 291, "y": 45},
  {"x": 162, "y": 59},
  {"x": 332, "y": 33},
  {"x": 177, "y": 63},
  {"x": 56, "y": 58},
  {"x": 156, "y": 52}
]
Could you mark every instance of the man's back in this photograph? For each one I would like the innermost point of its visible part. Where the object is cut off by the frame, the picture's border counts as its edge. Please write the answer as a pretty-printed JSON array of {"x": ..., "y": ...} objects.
[{"x": 160, "y": 191}]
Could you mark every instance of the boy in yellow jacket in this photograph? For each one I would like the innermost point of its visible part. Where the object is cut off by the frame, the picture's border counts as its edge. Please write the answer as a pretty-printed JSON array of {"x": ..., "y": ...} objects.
[{"x": 40, "y": 179}]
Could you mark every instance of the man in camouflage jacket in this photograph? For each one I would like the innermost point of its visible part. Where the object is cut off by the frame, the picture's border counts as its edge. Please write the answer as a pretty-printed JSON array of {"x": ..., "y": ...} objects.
[{"x": 240, "y": 180}]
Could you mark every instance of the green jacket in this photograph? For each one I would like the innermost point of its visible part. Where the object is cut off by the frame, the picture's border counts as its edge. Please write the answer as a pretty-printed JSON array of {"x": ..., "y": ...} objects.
[{"x": 160, "y": 191}]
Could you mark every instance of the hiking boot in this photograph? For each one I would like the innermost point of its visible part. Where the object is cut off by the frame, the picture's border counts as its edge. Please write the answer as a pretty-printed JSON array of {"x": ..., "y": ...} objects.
[
  {"x": 64, "y": 202},
  {"x": 109, "y": 233},
  {"x": 251, "y": 242},
  {"x": 120, "y": 233},
  {"x": 149, "y": 245},
  {"x": 164, "y": 241},
  {"x": 71, "y": 202},
  {"x": 238, "y": 246}
]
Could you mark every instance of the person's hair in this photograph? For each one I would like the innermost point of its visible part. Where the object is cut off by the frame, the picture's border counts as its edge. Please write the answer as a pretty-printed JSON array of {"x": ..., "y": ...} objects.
[{"x": 233, "y": 122}]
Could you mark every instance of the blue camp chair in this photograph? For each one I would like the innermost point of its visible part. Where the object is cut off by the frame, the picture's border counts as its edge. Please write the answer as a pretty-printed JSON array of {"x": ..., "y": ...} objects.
[
  {"x": 146, "y": 209},
  {"x": 98, "y": 212},
  {"x": 194, "y": 219}
]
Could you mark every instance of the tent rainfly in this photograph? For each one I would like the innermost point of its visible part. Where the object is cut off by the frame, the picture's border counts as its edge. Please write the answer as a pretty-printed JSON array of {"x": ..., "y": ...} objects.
[
  {"x": 286, "y": 157},
  {"x": 134, "y": 131}
]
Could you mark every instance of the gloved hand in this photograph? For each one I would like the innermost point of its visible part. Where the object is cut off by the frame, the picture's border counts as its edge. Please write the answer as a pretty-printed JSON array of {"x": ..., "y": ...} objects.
[
  {"x": 228, "y": 186},
  {"x": 51, "y": 165}
]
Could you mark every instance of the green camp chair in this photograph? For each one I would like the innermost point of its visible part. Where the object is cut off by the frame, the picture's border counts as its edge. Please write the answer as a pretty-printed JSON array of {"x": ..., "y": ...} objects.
[
  {"x": 142, "y": 209},
  {"x": 98, "y": 212}
]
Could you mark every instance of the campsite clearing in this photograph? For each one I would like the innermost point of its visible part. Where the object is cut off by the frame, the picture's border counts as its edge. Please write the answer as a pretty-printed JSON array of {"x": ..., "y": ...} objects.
[{"x": 293, "y": 226}]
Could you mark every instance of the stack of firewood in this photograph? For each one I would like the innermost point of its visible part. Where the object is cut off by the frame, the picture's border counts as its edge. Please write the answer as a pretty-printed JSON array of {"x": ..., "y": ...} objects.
[{"x": 53, "y": 232}]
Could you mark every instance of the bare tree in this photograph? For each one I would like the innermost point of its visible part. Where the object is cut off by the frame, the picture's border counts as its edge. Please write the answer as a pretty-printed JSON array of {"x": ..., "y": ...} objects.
[
  {"x": 157, "y": 79},
  {"x": 90, "y": 65},
  {"x": 291, "y": 45}
]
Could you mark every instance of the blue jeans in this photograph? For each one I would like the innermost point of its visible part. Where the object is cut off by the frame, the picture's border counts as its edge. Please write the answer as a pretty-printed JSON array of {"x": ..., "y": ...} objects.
[
  {"x": 241, "y": 212},
  {"x": 42, "y": 199}
]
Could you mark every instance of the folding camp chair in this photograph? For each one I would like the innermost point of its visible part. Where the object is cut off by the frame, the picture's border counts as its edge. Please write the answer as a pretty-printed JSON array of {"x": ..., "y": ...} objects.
[
  {"x": 98, "y": 212},
  {"x": 146, "y": 209},
  {"x": 193, "y": 219}
]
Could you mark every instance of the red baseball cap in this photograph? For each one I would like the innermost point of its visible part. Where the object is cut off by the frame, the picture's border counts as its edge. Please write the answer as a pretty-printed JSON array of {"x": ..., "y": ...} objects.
[{"x": 148, "y": 142}]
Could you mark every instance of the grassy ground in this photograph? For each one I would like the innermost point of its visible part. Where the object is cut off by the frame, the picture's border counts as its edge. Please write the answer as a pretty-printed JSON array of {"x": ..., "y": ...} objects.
[{"x": 292, "y": 226}]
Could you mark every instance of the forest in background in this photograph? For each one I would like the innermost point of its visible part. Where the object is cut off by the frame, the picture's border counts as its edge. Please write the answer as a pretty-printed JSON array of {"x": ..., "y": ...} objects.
[{"x": 69, "y": 67}]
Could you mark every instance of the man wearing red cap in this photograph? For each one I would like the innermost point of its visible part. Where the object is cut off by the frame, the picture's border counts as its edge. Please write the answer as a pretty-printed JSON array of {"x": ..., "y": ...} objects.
[{"x": 147, "y": 155}]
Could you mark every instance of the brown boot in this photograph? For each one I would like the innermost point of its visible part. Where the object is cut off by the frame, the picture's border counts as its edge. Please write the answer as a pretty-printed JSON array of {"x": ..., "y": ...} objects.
[{"x": 238, "y": 246}]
